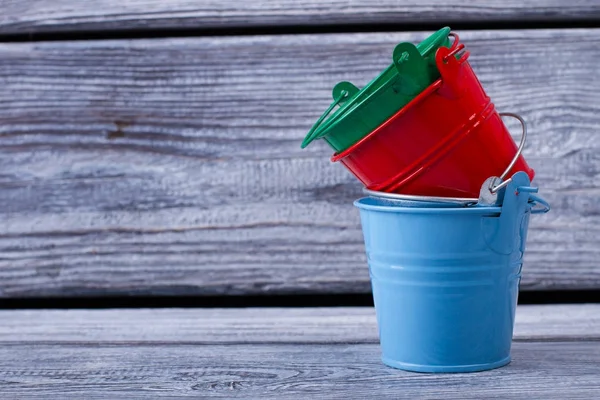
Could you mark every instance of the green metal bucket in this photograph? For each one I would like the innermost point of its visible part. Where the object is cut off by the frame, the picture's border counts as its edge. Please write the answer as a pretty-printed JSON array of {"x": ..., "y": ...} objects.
[{"x": 362, "y": 111}]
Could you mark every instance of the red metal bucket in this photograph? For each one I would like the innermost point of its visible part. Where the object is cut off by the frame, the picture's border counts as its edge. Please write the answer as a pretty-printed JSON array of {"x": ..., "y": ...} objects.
[{"x": 446, "y": 142}]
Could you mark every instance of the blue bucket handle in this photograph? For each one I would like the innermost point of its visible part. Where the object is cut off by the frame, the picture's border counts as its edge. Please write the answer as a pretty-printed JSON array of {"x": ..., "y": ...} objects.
[
  {"x": 535, "y": 200},
  {"x": 538, "y": 201}
]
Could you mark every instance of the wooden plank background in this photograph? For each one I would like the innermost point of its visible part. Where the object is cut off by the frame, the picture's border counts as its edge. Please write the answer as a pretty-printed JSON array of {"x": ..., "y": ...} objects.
[
  {"x": 173, "y": 166},
  {"x": 40, "y": 16}
]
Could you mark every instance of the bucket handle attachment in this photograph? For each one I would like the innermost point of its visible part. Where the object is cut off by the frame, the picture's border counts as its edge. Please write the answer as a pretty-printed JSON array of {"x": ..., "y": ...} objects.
[
  {"x": 455, "y": 48},
  {"x": 516, "y": 200},
  {"x": 341, "y": 92},
  {"x": 495, "y": 187},
  {"x": 534, "y": 199},
  {"x": 413, "y": 77},
  {"x": 452, "y": 70}
]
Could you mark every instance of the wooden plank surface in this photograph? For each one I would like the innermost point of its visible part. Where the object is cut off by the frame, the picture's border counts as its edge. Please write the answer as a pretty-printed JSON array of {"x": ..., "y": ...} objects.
[
  {"x": 546, "y": 370},
  {"x": 260, "y": 325},
  {"x": 34, "y": 16},
  {"x": 173, "y": 166},
  {"x": 274, "y": 353}
]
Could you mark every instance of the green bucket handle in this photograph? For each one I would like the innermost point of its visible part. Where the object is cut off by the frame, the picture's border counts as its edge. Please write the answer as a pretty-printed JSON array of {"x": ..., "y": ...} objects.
[{"x": 341, "y": 93}]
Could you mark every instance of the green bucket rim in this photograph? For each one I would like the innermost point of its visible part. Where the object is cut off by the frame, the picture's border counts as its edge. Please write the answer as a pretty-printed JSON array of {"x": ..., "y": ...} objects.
[
  {"x": 433, "y": 41},
  {"x": 425, "y": 48}
]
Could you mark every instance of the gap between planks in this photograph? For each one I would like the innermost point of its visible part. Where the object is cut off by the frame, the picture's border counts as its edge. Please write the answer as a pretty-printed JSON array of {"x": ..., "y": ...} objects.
[{"x": 36, "y": 19}]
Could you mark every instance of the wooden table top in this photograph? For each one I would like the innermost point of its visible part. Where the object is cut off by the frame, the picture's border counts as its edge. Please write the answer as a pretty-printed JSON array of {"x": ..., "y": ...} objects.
[{"x": 275, "y": 353}]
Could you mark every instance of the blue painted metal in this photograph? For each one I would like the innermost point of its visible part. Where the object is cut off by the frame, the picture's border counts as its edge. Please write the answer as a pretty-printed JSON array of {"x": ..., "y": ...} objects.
[{"x": 445, "y": 280}]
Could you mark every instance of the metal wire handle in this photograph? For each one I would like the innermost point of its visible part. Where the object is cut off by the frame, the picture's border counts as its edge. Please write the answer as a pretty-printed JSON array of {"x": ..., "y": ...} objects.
[
  {"x": 454, "y": 48},
  {"x": 309, "y": 136},
  {"x": 503, "y": 183},
  {"x": 538, "y": 201}
]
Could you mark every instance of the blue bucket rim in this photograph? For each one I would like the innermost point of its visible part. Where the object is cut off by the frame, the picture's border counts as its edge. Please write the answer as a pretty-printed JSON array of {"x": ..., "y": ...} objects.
[{"x": 474, "y": 209}]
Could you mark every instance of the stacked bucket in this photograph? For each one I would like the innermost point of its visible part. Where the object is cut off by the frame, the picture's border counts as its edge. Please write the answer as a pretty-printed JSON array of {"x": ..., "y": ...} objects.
[{"x": 448, "y": 202}]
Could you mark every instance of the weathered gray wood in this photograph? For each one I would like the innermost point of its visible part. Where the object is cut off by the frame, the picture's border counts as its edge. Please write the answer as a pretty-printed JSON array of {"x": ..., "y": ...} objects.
[
  {"x": 274, "y": 353},
  {"x": 557, "y": 370},
  {"x": 174, "y": 167},
  {"x": 259, "y": 325},
  {"x": 30, "y": 16}
]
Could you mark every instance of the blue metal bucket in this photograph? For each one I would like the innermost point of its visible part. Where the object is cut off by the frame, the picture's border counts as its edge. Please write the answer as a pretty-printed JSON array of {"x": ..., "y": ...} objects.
[{"x": 445, "y": 280}]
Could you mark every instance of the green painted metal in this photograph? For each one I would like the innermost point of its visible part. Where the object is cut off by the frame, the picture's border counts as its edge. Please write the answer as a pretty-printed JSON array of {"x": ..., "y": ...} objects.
[{"x": 361, "y": 111}]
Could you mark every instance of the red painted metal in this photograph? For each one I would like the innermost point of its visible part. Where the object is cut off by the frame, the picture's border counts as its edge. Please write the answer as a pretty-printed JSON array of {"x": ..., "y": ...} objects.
[{"x": 446, "y": 142}]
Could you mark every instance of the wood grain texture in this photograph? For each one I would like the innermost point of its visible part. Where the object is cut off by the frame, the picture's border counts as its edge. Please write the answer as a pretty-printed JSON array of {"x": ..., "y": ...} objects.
[
  {"x": 259, "y": 325},
  {"x": 34, "y": 16},
  {"x": 557, "y": 370},
  {"x": 274, "y": 353},
  {"x": 173, "y": 166}
]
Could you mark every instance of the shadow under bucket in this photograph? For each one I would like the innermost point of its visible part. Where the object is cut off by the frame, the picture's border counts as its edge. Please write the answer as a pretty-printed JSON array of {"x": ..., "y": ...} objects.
[{"x": 445, "y": 280}]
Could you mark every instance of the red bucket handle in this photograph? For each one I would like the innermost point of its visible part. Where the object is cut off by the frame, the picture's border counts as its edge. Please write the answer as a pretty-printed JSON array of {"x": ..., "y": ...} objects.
[{"x": 499, "y": 183}]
